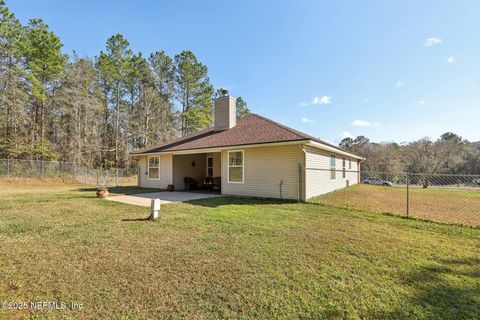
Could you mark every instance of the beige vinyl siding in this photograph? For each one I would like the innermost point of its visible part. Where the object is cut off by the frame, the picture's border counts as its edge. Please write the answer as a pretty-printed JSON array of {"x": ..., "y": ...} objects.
[
  {"x": 182, "y": 167},
  {"x": 317, "y": 172},
  {"x": 165, "y": 172},
  {"x": 263, "y": 168}
]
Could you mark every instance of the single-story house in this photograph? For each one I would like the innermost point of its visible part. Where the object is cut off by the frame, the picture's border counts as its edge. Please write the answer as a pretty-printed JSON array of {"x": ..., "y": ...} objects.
[{"x": 250, "y": 156}]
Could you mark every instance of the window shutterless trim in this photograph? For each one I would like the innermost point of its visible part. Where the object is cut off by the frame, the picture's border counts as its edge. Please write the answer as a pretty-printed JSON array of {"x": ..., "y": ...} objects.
[
  {"x": 235, "y": 166},
  {"x": 333, "y": 169},
  {"x": 148, "y": 167}
]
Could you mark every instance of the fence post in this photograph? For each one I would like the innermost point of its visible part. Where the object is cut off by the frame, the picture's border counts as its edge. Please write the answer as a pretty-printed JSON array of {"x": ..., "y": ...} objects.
[
  {"x": 408, "y": 196},
  {"x": 116, "y": 176},
  {"x": 8, "y": 167},
  {"x": 86, "y": 175}
]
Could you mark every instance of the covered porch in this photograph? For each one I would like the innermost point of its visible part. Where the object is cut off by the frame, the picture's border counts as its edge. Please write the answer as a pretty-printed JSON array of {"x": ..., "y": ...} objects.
[
  {"x": 204, "y": 171},
  {"x": 197, "y": 172},
  {"x": 192, "y": 171}
]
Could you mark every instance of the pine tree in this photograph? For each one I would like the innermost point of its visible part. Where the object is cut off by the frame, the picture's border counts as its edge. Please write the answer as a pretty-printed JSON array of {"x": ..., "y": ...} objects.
[
  {"x": 160, "y": 118},
  {"x": 194, "y": 92},
  {"x": 44, "y": 63},
  {"x": 114, "y": 66},
  {"x": 242, "y": 108},
  {"x": 12, "y": 89},
  {"x": 78, "y": 103},
  {"x": 92, "y": 113}
]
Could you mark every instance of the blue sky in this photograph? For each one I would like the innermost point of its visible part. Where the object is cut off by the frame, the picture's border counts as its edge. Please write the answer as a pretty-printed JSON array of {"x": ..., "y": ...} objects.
[{"x": 389, "y": 70}]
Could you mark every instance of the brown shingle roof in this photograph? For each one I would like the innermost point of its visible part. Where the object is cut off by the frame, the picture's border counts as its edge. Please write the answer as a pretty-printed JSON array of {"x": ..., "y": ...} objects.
[{"x": 252, "y": 129}]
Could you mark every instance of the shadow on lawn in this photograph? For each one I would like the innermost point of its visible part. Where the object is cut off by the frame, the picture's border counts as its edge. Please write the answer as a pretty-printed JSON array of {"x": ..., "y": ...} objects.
[
  {"x": 229, "y": 200},
  {"x": 125, "y": 190},
  {"x": 136, "y": 219},
  {"x": 223, "y": 201},
  {"x": 448, "y": 290}
]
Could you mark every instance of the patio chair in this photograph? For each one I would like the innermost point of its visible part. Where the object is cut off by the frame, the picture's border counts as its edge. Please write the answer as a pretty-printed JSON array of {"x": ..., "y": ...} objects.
[
  {"x": 190, "y": 183},
  {"x": 216, "y": 184}
]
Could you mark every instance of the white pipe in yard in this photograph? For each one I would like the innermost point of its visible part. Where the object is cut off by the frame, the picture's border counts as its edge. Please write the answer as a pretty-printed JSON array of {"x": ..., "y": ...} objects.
[{"x": 155, "y": 208}]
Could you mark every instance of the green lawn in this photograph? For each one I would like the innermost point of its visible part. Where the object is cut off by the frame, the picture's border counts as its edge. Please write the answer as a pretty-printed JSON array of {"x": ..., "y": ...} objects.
[
  {"x": 457, "y": 206},
  {"x": 229, "y": 258}
]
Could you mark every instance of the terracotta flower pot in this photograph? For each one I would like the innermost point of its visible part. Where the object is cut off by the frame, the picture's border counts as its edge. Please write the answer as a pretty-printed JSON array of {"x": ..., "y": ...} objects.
[{"x": 102, "y": 193}]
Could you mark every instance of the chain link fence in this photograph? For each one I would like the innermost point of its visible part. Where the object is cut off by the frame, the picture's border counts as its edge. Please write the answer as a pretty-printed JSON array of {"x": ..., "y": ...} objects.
[
  {"x": 67, "y": 172},
  {"x": 451, "y": 198}
]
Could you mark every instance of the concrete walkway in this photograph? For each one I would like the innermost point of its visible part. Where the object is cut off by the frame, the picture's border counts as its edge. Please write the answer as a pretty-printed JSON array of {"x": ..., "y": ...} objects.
[{"x": 144, "y": 199}]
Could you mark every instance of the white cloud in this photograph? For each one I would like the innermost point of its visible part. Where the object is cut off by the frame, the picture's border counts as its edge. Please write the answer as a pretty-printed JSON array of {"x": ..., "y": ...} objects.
[
  {"x": 322, "y": 100},
  {"x": 451, "y": 60},
  {"x": 376, "y": 124},
  {"x": 318, "y": 101},
  {"x": 365, "y": 100},
  {"x": 361, "y": 123},
  {"x": 400, "y": 84},
  {"x": 430, "y": 42},
  {"x": 421, "y": 102},
  {"x": 306, "y": 120},
  {"x": 346, "y": 134}
]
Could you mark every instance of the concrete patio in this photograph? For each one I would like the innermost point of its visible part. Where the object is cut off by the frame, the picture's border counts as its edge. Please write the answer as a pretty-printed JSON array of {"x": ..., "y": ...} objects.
[{"x": 144, "y": 199}]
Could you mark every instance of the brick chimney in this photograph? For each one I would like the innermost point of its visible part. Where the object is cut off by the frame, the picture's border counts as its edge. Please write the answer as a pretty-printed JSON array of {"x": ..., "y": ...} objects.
[{"x": 225, "y": 116}]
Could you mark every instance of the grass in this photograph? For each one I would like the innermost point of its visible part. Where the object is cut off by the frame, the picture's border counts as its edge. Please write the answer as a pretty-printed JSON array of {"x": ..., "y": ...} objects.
[
  {"x": 441, "y": 205},
  {"x": 229, "y": 258}
]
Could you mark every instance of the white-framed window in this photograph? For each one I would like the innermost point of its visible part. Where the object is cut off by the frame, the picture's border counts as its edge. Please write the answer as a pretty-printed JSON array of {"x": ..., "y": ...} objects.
[
  {"x": 344, "y": 167},
  {"x": 333, "y": 167},
  {"x": 349, "y": 163},
  {"x": 236, "y": 163},
  {"x": 210, "y": 166},
  {"x": 154, "y": 167}
]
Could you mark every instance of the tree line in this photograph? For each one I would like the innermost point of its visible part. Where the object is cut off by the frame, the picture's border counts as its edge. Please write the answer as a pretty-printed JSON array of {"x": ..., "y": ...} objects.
[
  {"x": 449, "y": 154},
  {"x": 94, "y": 111}
]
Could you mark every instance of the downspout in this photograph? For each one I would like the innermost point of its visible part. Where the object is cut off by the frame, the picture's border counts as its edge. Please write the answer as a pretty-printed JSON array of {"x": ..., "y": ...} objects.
[
  {"x": 280, "y": 182},
  {"x": 222, "y": 176},
  {"x": 302, "y": 172}
]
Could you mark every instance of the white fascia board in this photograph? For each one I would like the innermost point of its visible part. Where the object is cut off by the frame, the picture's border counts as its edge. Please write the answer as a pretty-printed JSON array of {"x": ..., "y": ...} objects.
[
  {"x": 219, "y": 149},
  {"x": 333, "y": 150}
]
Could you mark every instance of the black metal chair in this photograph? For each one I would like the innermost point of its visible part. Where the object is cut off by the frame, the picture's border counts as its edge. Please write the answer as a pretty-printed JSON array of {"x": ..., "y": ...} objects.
[{"x": 190, "y": 183}]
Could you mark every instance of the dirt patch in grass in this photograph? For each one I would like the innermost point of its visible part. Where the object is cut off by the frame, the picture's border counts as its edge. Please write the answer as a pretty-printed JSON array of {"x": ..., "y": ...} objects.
[{"x": 442, "y": 205}]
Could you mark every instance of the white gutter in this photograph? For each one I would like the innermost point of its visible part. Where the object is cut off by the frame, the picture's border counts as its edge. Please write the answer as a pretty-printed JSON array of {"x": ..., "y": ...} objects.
[
  {"x": 310, "y": 143},
  {"x": 333, "y": 150},
  {"x": 219, "y": 149}
]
